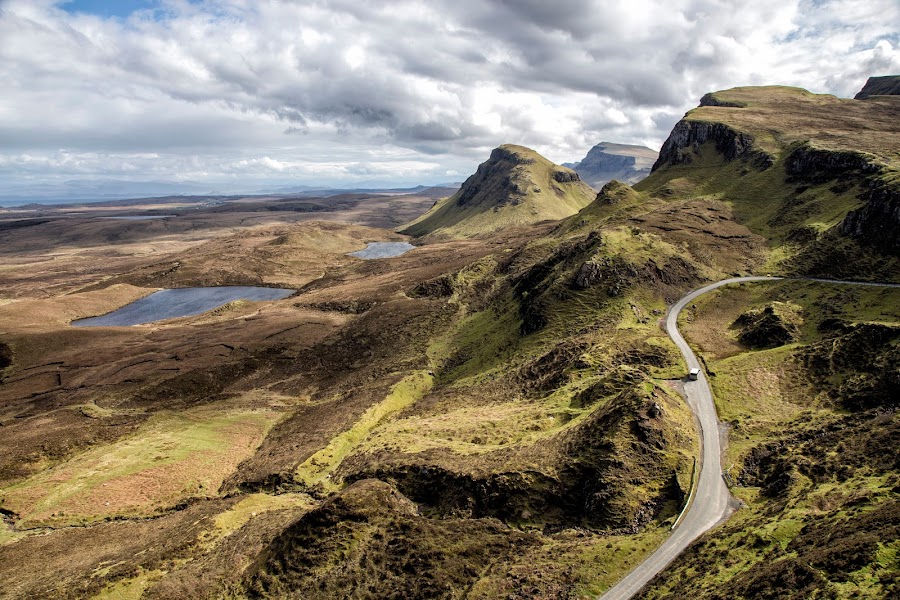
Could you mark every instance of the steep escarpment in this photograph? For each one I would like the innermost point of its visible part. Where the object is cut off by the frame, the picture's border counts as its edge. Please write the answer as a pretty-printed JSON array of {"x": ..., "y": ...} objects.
[
  {"x": 887, "y": 85},
  {"x": 817, "y": 175},
  {"x": 876, "y": 222},
  {"x": 686, "y": 139},
  {"x": 515, "y": 186},
  {"x": 607, "y": 161}
]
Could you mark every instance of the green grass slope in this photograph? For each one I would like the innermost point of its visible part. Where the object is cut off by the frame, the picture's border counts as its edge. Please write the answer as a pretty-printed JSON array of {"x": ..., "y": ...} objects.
[
  {"x": 516, "y": 186},
  {"x": 818, "y": 176}
]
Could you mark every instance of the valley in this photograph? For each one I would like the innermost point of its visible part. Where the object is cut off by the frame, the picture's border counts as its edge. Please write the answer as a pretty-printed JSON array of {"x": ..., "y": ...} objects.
[{"x": 496, "y": 412}]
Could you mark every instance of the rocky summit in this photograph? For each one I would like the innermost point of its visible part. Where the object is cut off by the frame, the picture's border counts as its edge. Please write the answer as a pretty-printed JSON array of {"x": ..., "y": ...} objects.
[{"x": 515, "y": 186}]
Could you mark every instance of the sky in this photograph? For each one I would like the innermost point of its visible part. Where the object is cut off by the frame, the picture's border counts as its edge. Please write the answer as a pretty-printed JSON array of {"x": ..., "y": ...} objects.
[{"x": 241, "y": 95}]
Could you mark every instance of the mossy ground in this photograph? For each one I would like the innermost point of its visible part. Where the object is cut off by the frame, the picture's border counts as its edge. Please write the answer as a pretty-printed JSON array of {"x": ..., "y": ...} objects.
[
  {"x": 495, "y": 417},
  {"x": 318, "y": 467}
]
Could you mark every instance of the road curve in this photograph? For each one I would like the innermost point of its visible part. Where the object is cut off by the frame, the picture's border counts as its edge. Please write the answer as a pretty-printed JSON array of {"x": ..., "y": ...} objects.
[{"x": 711, "y": 501}]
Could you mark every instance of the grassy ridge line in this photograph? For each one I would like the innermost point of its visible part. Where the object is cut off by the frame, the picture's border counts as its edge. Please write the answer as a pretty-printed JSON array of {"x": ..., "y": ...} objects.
[
  {"x": 315, "y": 470},
  {"x": 779, "y": 116}
]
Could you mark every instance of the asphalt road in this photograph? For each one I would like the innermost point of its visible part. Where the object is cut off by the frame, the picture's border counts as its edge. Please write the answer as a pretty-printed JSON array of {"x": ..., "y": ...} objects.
[{"x": 711, "y": 502}]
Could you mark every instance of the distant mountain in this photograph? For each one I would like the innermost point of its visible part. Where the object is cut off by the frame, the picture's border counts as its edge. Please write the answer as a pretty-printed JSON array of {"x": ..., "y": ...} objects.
[
  {"x": 607, "y": 161},
  {"x": 117, "y": 192},
  {"x": 515, "y": 186},
  {"x": 437, "y": 191},
  {"x": 96, "y": 190},
  {"x": 888, "y": 85}
]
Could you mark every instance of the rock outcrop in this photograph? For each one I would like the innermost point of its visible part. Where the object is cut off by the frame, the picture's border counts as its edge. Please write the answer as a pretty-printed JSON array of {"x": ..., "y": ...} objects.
[
  {"x": 877, "y": 222},
  {"x": 777, "y": 324},
  {"x": 687, "y": 137}
]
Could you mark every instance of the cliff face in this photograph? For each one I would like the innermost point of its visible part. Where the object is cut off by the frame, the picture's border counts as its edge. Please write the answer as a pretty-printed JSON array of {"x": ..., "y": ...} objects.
[
  {"x": 877, "y": 222},
  {"x": 607, "y": 161},
  {"x": 686, "y": 138},
  {"x": 806, "y": 170},
  {"x": 515, "y": 186},
  {"x": 495, "y": 175},
  {"x": 889, "y": 85}
]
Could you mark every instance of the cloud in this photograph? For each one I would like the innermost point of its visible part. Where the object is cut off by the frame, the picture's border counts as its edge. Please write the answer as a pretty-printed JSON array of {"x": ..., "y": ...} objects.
[{"x": 206, "y": 85}]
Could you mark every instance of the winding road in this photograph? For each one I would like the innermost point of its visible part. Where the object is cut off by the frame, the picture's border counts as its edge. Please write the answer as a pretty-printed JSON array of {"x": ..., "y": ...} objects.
[{"x": 711, "y": 503}]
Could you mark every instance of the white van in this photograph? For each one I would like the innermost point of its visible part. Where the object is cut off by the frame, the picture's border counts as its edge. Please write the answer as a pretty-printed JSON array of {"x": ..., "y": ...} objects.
[{"x": 694, "y": 374}]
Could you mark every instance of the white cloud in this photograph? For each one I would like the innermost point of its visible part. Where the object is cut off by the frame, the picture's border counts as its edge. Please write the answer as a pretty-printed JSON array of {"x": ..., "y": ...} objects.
[{"x": 335, "y": 91}]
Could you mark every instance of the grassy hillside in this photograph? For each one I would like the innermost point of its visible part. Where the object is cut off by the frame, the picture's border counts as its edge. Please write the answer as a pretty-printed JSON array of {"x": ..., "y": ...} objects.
[
  {"x": 516, "y": 186},
  {"x": 812, "y": 426},
  {"x": 487, "y": 415},
  {"x": 814, "y": 174}
]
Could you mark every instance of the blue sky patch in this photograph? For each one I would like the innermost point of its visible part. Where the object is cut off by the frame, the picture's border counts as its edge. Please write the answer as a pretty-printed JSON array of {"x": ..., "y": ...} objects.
[{"x": 107, "y": 8}]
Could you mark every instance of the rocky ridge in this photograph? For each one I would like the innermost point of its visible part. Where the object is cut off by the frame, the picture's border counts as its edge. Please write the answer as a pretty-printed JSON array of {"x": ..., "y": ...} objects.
[
  {"x": 804, "y": 147},
  {"x": 887, "y": 85}
]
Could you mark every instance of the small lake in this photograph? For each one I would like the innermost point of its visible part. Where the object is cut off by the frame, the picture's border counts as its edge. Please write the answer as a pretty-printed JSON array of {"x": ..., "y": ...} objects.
[
  {"x": 181, "y": 302},
  {"x": 383, "y": 250}
]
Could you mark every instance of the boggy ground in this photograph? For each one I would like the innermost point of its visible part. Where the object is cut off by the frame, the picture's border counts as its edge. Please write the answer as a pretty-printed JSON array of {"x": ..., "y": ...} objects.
[{"x": 501, "y": 413}]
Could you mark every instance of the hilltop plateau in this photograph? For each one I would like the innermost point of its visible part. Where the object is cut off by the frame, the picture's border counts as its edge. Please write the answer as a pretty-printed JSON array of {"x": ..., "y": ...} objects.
[
  {"x": 607, "y": 161},
  {"x": 497, "y": 413},
  {"x": 817, "y": 175}
]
